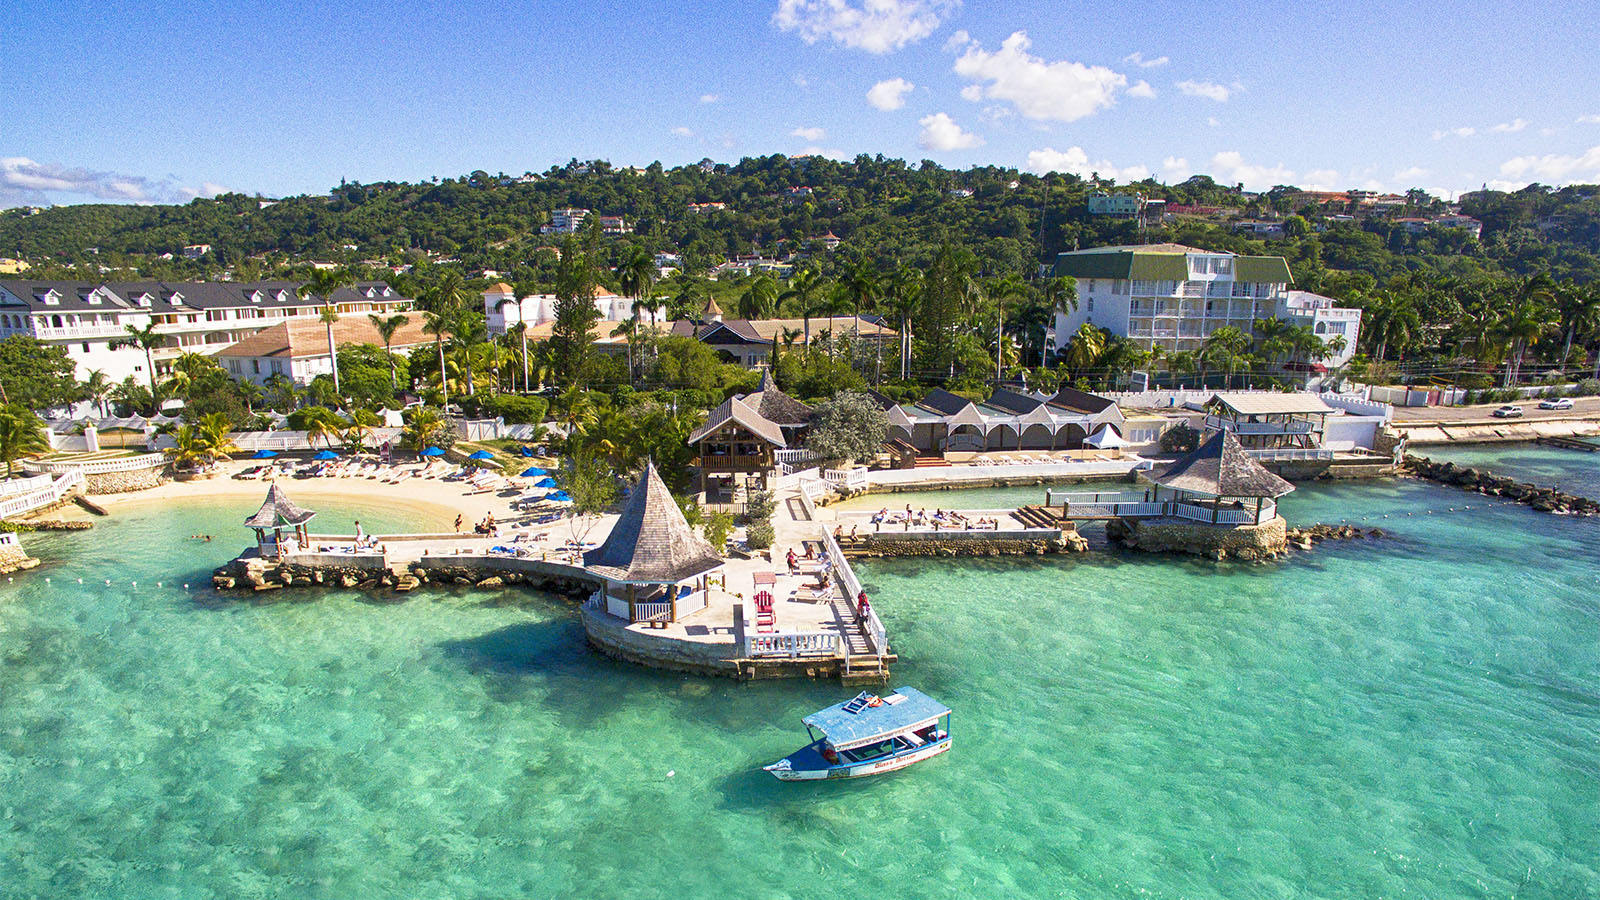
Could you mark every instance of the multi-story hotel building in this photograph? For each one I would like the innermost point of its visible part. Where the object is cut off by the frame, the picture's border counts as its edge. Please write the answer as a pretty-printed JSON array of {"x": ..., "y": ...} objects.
[
  {"x": 1174, "y": 297},
  {"x": 88, "y": 319}
]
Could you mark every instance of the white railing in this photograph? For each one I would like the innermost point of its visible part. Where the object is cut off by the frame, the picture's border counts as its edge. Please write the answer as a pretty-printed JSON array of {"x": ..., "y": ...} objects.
[
  {"x": 1088, "y": 505},
  {"x": 1053, "y": 497},
  {"x": 792, "y": 644},
  {"x": 652, "y": 612},
  {"x": 964, "y": 443},
  {"x": 1283, "y": 454},
  {"x": 877, "y": 635},
  {"x": 16, "y": 486},
  {"x": 22, "y": 504},
  {"x": 99, "y": 466},
  {"x": 795, "y": 459},
  {"x": 854, "y": 478},
  {"x": 9, "y": 539},
  {"x": 1222, "y": 423}
]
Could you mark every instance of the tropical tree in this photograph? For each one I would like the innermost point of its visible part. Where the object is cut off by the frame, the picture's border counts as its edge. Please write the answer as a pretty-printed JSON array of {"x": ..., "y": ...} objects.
[
  {"x": 1227, "y": 348},
  {"x": 424, "y": 427},
  {"x": 900, "y": 300},
  {"x": 362, "y": 422},
  {"x": 387, "y": 327},
  {"x": 98, "y": 387},
  {"x": 760, "y": 299},
  {"x": 439, "y": 325},
  {"x": 637, "y": 278},
  {"x": 1390, "y": 321},
  {"x": 216, "y": 430},
  {"x": 322, "y": 284},
  {"x": 806, "y": 289},
  {"x": 1085, "y": 347},
  {"x": 146, "y": 339},
  {"x": 21, "y": 434}
]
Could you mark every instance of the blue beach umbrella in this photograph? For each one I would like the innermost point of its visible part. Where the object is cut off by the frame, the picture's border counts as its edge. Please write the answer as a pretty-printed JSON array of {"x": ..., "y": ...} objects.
[
  {"x": 482, "y": 454},
  {"x": 559, "y": 496},
  {"x": 326, "y": 454},
  {"x": 545, "y": 482},
  {"x": 432, "y": 451},
  {"x": 264, "y": 454},
  {"x": 533, "y": 472},
  {"x": 526, "y": 452}
]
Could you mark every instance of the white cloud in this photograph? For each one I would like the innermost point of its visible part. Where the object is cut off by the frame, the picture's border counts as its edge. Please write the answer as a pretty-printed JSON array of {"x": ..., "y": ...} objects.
[
  {"x": 683, "y": 131},
  {"x": 1207, "y": 89},
  {"x": 809, "y": 134},
  {"x": 876, "y": 26},
  {"x": 1058, "y": 91},
  {"x": 1075, "y": 161},
  {"x": 1589, "y": 120},
  {"x": 1138, "y": 59},
  {"x": 26, "y": 182},
  {"x": 972, "y": 93},
  {"x": 1176, "y": 168},
  {"x": 889, "y": 95},
  {"x": 956, "y": 41},
  {"x": 1555, "y": 168},
  {"x": 1411, "y": 174},
  {"x": 1142, "y": 89},
  {"x": 1323, "y": 180},
  {"x": 801, "y": 81},
  {"x": 1229, "y": 167},
  {"x": 1511, "y": 127},
  {"x": 940, "y": 132},
  {"x": 1464, "y": 131},
  {"x": 709, "y": 98}
]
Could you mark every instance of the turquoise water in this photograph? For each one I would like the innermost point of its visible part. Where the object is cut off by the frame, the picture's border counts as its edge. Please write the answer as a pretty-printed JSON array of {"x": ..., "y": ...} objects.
[
  {"x": 1414, "y": 717},
  {"x": 1571, "y": 470}
]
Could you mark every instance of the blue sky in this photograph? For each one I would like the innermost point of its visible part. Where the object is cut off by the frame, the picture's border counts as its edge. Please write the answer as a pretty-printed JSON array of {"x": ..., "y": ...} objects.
[{"x": 160, "y": 101}]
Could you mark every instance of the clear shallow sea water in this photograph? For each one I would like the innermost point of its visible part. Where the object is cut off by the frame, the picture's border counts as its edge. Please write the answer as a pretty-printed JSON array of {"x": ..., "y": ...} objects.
[
  {"x": 1571, "y": 470},
  {"x": 1417, "y": 716}
]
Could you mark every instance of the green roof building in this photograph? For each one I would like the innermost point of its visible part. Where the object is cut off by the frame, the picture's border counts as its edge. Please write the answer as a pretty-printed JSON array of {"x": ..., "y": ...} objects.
[{"x": 1170, "y": 295}]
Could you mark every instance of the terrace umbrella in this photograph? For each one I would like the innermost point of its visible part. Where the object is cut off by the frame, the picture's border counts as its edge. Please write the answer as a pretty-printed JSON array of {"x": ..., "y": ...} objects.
[
  {"x": 432, "y": 451},
  {"x": 264, "y": 454},
  {"x": 482, "y": 454},
  {"x": 545, "y": 482},
  {"x": 526, "y": 452},
  {"x": 326, "y": 454},
  {"x": 533, "y": 472},
  {"x": 559, "y": 497}
]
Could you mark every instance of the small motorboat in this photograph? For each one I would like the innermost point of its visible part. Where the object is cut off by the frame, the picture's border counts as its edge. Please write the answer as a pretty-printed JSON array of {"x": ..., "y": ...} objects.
[{"x": 868, "y": 735}]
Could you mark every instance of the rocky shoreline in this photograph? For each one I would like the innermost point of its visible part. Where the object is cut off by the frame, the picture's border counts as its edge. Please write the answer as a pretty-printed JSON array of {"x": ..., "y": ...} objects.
[{"x": 1477, "y": 481}]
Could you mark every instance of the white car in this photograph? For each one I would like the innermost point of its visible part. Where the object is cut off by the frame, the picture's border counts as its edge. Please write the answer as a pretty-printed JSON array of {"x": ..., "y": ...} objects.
[
  {"x": 1508, "y": 412},
  {"x": 1556, "y": 403}
]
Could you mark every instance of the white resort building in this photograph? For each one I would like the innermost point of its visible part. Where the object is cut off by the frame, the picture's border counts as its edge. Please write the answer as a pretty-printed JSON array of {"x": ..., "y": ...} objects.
[
  {"x": 1173, "y": 297},
  {"x": 942, "y": 422},
  {"x": 504, "y": 309},
  {"x": 87, "y": 319},
  {"x": 298, "y": 348}
]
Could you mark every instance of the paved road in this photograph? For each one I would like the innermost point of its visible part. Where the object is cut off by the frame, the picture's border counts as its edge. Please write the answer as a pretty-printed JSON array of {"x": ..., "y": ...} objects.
[{"x": 1582, "y": 408}]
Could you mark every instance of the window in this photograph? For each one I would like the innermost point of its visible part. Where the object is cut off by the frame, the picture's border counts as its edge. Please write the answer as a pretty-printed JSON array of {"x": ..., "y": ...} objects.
[
  {"x": 85, "y": 347},
  {"x": 1091, "y": 304},
  {"x": 233, "y": 366},
  {"x": 1224, "y": 266},
  {"x": 255, "y": 367}
]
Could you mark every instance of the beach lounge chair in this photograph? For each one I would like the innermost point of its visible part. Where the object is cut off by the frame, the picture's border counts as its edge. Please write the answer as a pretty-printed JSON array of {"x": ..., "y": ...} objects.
[{"x": 766, "y": 618}]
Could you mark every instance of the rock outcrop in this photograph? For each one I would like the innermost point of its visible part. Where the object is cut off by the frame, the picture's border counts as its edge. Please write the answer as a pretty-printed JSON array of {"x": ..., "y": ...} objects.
[{"x": 1467, "y": 478}]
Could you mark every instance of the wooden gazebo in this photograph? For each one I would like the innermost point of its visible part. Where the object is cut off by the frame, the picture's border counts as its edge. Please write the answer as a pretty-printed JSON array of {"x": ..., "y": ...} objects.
[
  {"x": 276, "y": 515},
  {"x": 1218, "y": 482},
  {"x": 653, "y": 564}
]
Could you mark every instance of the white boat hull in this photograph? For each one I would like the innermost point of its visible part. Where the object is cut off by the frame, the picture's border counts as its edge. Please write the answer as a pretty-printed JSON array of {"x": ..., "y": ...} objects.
[{"x": 879, "y": 766}]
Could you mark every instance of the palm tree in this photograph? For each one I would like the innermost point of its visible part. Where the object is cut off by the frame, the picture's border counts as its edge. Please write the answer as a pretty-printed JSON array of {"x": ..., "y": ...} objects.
[
  {"x": 98, "y": 387},
  {"x": 1085, "y": 347},
  {"x": 190, "y": 448},
  {"x": 145, "y": 339},
  {"x": 1528, "y": 321},
  {"x": 902, "y": 298},
  {"x": 519, "y": 333},
  {"x": 1011, "y": 287},
  {"x": 362, "y": 421},
  {"x": 21, "y": 434},
  {"x": 805, "y": 288},
  {"x": 637, "y": 277},
  {"x": 215, "y": 429},
  {"x": 322, "y": 284},
  {"x": 1391, "y": 320},
  {"x": 438, "y": 325},
  {"x": 1226, "y": 347},
  {"x": 760, "y": 300},
  {"x": 325, "y": 424},
  {"x": 628, "y": 328},
  {"x": 421, "y": 423},
  {"x": 282, "y": 389},
  {"x": 387, "y": 327},
  {"x": 468, "y": 335},
  {"x": 448, "y": 296}
]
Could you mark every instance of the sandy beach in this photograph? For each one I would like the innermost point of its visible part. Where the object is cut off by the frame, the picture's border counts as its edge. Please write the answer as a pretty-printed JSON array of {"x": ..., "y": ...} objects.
[{"x": 431, "y": 503}]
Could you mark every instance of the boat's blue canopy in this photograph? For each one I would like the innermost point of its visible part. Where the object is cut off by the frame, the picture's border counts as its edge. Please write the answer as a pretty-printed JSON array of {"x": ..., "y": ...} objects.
[{"x": 854, "y": 722}]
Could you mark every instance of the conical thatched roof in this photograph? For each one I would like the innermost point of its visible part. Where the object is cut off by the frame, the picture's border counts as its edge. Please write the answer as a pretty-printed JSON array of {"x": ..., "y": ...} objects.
[
  {"x": 651, "y": 543},
  {"x": 1220, "y": 468},
  {"x": 277, "y": 511},
  {"x": 776, "y": 406}
]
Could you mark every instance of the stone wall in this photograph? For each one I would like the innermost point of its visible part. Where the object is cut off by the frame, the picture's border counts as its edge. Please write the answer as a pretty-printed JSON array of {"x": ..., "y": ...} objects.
[
  {"x": 1247, "y": 542},
  {"x": 125, "y": 482},
  {"x": 14, "y": 559},
  {"x": 967, "y": 545},
  {"x": 610, "y": 636}
]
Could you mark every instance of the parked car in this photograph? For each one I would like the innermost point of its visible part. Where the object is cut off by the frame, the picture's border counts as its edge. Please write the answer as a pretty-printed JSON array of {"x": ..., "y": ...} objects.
[
  {"x": 1556, "y": 403},
  {"x": 1508, "y": 412}
]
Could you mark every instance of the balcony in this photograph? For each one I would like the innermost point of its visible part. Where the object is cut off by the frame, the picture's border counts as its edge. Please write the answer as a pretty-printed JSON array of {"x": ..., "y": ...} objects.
[
  {"x": 79, "y": 332},
  {"x": 733, "y": 463}
]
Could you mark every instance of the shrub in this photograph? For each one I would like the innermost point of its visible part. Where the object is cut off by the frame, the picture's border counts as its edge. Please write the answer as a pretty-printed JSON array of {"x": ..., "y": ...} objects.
[
  {"x": 1588, "y": 387},
  {"x": 717, "y": 528},
  {"x": 760, "y": 505},
  {"x": 760, "y": 535},
  {"x": 517, "y": 409},
  {"x": 1180, "y": 439}
]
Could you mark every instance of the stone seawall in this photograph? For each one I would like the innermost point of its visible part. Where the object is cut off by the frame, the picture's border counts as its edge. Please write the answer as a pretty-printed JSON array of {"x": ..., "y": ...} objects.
[
  {"x": 888, "y": 545},
  {"x": 14, "y": 559},
  {"x": 1245, "y": 542},
  {"x": 125, "y": 482},
  {"x": 1467, "y": 478}
]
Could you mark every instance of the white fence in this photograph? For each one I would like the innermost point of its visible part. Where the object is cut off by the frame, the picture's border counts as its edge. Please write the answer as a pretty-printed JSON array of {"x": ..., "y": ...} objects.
[
  {"x": 851, "y": 479},
  {"x": 792, "y": 644},
  {"x": 98, "y": 466},
  {"x": 22, "y": 504},
  {"x": 652, "y": 612},
  {"x": 14, "y": 486},
  {"x": 794, "y": 459},
  {"x": 877, "y": 635},
  {"x": 1290, "y": 454},
  {"x": 1104, "y": 505}
]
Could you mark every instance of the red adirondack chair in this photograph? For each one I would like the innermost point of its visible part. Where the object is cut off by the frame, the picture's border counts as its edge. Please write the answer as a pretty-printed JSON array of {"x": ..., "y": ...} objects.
[{"x": 766, "y": 618}]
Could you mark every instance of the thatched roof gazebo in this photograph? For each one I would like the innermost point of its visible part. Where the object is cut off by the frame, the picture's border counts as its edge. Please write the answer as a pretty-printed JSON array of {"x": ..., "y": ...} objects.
[
  {"x": 276, "y": 514},
  {"x": 777, "y": 407},
  {"x": 653, "y": 562},
  {"x": 1220, "y": 481}
]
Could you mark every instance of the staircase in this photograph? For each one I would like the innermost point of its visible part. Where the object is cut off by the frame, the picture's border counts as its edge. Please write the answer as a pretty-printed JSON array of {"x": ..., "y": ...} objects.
[
  {"x": 929, "y": 462},
  {"x": 1038, "y": 516}
]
